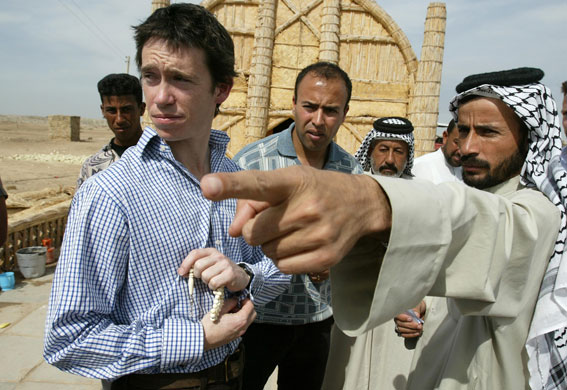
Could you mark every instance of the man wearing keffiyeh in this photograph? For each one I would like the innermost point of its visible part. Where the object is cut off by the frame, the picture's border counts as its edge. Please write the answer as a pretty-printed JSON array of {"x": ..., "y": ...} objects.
[
  {"x": 388, "y": 148},
  {"x": 541, "y": 169},
  {"x": 509, "y": 139},
  {"x": 486, "y": 248}
]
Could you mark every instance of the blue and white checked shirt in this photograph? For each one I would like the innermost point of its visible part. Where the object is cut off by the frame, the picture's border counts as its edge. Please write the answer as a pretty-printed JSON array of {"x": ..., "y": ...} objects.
[
  {"x": 304, "y": 301},
  {"x": 117, "y": 304}
]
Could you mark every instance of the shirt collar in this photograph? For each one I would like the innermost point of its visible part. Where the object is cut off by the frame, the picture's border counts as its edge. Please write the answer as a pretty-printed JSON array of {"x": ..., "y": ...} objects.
[
  {"x": 148, "y": 139},
  {"x": 286, "y": 147},
  {"x": 150, "y": 142},
  {"x": 108, "y": 146},
  {"x": 506, "y": 187}
]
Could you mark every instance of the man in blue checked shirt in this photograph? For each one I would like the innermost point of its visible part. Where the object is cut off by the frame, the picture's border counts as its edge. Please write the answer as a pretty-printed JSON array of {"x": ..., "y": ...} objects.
[
  {"x": 292, "y": 332},
  {"x": 121, "y": 307}
]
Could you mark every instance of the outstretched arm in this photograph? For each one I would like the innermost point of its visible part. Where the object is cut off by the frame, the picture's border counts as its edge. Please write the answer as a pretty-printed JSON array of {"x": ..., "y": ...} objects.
[{"x": 305, "y": 219}]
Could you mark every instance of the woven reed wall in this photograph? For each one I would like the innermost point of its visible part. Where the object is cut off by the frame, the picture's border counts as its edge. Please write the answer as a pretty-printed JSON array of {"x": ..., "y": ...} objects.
[
  {"x": 381, "y": 68},
  {"x": 364, "y": 40},
  {"x": 240, "y": 19},
  {"x": 159, "y": 4}
]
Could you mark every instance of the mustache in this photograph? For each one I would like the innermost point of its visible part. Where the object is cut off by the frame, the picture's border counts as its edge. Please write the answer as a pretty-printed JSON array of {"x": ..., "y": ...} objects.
[
  {"x": 471, "y": 161},
  {"x": 388, "y": 166}
]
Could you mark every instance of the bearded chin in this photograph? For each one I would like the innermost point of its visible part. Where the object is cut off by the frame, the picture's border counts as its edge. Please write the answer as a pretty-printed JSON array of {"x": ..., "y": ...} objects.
[
  {"x": 399, "y": 173},
  {"x": 504, "y": 171}
]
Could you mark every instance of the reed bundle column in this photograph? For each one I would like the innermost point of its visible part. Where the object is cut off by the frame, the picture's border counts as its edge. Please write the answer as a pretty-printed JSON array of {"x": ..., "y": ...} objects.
[
  {"x": 330, "y": 29},
  {"x": 258, "y": 100},
  {"x": 423, "y": 110},
  {"x": 159, "y": 4}
]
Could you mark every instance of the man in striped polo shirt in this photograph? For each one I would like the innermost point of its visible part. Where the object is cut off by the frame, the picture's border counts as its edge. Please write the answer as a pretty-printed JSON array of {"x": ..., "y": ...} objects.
[{"x": 293, "y": 331}]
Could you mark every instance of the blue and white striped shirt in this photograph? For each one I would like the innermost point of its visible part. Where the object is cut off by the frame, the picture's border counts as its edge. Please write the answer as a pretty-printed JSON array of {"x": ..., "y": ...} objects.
[
  {"x": 303, "y": 301},
  {"x": 117, "y": 304}
]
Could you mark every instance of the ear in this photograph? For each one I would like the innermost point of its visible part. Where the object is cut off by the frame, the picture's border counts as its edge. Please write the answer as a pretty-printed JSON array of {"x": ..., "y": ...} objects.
[
  {"x": 346, "y": 111},
  {"x": 445, "y": 136},
  {"x": 142, "y": 108},
  {"x": 222, "y": 90},
  {"x": 102, "y": 110}
]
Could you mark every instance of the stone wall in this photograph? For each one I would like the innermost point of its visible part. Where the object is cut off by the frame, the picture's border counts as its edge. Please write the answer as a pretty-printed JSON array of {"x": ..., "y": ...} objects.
[{"x": 64, "y": 127}]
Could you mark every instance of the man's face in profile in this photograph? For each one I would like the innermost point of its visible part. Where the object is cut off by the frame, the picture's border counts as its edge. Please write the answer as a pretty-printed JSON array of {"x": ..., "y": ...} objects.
[{"x": 450, "y": 147}]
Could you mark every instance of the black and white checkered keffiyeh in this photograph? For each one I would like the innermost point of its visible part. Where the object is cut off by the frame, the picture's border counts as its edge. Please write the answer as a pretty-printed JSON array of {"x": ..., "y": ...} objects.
[
  {"x": 363, "y": 152},
  {"x": 546, "y": 343}
]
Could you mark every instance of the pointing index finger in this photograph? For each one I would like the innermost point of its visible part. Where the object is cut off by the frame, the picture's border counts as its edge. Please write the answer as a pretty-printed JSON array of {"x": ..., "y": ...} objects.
[{"x": 272, "y": 187}]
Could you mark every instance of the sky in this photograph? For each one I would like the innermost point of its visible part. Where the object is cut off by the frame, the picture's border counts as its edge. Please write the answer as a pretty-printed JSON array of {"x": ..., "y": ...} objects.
[{"x": 53, "y": 52}]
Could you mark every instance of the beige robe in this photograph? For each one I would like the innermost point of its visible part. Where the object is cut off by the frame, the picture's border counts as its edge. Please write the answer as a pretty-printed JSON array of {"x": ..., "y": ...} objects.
[
  {"x": 380, "y": 359},
  {"x": 487, "y": 253}
]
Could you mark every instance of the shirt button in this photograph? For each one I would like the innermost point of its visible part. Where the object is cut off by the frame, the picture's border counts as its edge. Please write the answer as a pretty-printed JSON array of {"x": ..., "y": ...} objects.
[
  {"x": 162, "y": 148},
  {"x": 218, "y": 242}
]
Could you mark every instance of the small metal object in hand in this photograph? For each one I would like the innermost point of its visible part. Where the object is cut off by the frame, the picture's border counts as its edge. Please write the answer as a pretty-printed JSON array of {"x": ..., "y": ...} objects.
[
  {"x": 414, "y": 316},
  {"x": 411, "y": 343}
]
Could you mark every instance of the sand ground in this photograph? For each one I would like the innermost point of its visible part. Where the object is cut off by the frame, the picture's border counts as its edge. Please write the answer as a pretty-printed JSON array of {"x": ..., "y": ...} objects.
[{"x": 30, "y": 160}]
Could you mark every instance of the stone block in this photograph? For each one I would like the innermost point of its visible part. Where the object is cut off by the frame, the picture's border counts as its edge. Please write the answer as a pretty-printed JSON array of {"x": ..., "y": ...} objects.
[{"x": 64, "y": 127}]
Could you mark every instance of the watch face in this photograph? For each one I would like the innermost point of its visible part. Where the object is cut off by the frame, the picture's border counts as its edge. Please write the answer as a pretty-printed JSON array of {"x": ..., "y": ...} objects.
[{"x": 248, "y": 272}]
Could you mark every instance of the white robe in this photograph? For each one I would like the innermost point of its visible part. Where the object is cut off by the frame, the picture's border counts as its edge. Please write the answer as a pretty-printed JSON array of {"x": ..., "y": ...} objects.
[{"x": 434, "y": 167}]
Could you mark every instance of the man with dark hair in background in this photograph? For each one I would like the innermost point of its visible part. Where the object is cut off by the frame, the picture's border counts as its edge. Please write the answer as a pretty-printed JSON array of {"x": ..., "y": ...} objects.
[
  {"x": 292, "y": 331},
  {"x": 445, "y": 163},
  {"x": 121, "y": 308},
  {"x": 122, "y": 107}
]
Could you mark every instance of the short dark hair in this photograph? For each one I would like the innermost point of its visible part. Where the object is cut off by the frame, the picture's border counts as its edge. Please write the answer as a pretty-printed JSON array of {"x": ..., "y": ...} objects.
[
  {"x": 564, "y": 87},
  {"x": 326, "y": 70},
  {"x": 451, "y": 126},
  {"x": 185, "y": 25},
  {"x": 120, "y": 84}
]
